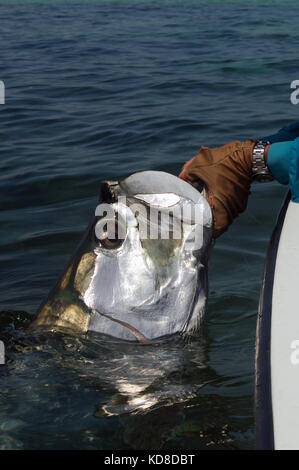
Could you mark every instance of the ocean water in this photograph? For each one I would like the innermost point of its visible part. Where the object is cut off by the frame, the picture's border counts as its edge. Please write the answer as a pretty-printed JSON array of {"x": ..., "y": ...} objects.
[{"x": 101, "y": 89}]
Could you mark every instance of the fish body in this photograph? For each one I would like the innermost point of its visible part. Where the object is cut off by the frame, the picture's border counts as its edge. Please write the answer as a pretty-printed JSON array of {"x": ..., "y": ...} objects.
[{"x": 140, "y": 272}]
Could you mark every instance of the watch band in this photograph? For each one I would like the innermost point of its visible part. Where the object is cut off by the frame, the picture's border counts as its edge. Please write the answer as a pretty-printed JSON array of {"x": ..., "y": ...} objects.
[{"x": 260, "y": 171}]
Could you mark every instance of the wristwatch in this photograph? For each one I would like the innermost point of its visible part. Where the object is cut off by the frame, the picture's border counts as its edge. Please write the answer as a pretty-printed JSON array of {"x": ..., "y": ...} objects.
[{"x": 260, "y": 171}]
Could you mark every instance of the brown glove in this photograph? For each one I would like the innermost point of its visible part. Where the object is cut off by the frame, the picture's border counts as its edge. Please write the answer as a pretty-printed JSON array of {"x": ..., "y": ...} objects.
[{"x": 227, "y": 174}]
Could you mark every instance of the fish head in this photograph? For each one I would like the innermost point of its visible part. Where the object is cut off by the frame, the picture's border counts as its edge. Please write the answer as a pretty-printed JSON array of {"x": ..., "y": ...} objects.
[{"x": 151, "y": 240}]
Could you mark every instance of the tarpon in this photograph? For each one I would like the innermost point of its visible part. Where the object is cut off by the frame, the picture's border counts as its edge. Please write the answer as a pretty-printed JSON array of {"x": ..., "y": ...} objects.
[{"x": 140, "y": 272}]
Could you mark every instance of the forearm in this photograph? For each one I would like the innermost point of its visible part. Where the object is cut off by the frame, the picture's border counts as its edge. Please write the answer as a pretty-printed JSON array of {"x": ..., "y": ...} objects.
[{"x": 227, "y": 173}]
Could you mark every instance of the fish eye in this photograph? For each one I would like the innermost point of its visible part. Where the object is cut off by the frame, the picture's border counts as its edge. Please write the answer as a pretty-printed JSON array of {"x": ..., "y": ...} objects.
[
  {"x": 109, "y": 234},
  {"x": 110, "y": 244}
]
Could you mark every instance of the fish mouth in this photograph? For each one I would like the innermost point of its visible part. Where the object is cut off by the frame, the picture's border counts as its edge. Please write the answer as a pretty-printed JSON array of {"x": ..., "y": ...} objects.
[{"x": 140, "y": 337}]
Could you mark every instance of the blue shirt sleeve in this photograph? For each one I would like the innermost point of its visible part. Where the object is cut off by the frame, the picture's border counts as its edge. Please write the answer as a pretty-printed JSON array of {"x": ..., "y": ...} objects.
[
  {"x": 294, "y": 171},
  {"x": 285, "y": 171}
]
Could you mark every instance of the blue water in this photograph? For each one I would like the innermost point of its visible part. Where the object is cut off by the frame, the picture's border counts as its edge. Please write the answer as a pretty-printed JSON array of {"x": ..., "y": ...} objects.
[{"x": 100, "y": 89}]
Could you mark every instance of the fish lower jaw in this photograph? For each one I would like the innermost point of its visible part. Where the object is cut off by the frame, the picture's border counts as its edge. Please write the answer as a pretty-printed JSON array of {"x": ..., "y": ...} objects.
[
  {"x": 149, "y": 331},
  {"x": 138, "y": 335}
]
